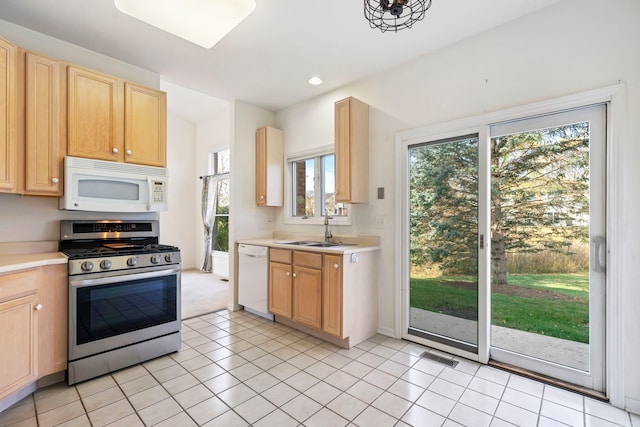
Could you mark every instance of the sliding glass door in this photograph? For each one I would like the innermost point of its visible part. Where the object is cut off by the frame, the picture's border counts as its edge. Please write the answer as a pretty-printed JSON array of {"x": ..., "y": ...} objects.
[
  {"x": 506, "y": 246},
  {"x": 548, "y": 244},
  {"x": 443, "y": 233}
]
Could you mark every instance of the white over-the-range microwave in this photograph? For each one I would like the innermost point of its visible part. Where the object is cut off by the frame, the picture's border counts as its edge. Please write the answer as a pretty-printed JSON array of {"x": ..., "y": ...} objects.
[{"x": 101, "y": 186}]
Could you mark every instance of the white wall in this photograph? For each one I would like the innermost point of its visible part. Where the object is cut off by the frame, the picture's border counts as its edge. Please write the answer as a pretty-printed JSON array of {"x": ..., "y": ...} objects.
[
  {"x": 176, "y": 225},
  {"x": 570, "y": 47}
]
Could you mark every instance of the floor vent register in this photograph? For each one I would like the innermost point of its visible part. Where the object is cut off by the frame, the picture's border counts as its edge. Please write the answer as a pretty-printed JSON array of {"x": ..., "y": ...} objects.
[{"x": 449, "y": 362}]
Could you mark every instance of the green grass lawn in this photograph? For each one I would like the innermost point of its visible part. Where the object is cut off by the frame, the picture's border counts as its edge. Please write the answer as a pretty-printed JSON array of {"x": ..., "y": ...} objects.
[{"x": 547, "y": 316}]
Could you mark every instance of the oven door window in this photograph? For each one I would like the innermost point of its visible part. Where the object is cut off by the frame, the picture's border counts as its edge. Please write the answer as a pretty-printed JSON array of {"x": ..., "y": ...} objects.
[{"x": 114, "y": 309}]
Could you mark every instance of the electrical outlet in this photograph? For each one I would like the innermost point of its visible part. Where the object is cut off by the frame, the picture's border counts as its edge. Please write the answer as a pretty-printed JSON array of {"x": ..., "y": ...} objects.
[{"x": 380, "y": 222}]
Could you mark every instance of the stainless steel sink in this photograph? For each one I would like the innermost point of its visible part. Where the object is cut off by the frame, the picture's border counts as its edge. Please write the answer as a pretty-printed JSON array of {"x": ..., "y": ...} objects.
[{"x": 331, "y": 245}]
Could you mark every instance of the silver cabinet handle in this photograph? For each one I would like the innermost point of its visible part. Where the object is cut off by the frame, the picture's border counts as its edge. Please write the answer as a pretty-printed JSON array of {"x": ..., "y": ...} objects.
[
  {"x": 288, "y": 274},
  {"x": 115, "y": 150},
  {"x": 295, "y": 275},
  {"x": 129, "y": 152},
  {"x": 38, "y": 307},
  {"x": 55, "y": 180},
  {"x": 336, "y": 266},
  {"x": 599, "y": 254}
]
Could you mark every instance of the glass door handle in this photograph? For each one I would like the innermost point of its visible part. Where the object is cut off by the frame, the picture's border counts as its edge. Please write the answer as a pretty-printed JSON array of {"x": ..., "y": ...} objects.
[{"x": 599, "y": 254}]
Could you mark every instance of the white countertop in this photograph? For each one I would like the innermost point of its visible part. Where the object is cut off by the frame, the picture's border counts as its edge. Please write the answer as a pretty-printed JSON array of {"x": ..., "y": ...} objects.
[
  {"x": 10, "y": 262},
  {"x": 364, "y": 245}
]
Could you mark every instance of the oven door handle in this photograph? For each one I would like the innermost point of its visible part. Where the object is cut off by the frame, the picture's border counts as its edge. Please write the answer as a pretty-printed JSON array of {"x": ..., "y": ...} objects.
[{"x": 80, "y": 282}]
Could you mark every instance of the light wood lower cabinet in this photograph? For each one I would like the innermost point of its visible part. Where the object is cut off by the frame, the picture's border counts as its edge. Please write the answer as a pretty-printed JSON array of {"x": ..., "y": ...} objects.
[
  {"x": 19, "y": 331},
  {"x": 33, "y": 336},
  {"x": 53, "y": 318},
  {"x": 307, "y": 289},
  {"x": 330, "y": 295},
  {"x": 280, "y": 297}
]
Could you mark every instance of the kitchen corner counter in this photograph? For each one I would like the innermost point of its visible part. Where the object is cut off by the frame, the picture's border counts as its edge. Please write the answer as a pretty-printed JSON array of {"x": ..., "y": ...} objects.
[{"x": 11, "y": 262}]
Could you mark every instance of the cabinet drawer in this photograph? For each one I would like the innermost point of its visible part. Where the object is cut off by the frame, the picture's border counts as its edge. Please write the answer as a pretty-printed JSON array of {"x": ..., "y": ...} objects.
[
  {"x": 280, "y": 255},
  {"x": 308, "y": 259},
  {"x": 20, "y": 283}
]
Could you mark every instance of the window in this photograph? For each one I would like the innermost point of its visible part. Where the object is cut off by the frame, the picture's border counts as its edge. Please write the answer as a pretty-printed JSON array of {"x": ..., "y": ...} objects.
[
  {"x": 313, "y": 187},
  {"x": 219, "y": 169}
]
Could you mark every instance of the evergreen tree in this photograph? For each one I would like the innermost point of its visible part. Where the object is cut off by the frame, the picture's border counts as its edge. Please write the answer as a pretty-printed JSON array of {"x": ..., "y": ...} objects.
[{"x": 539, "y": 198}]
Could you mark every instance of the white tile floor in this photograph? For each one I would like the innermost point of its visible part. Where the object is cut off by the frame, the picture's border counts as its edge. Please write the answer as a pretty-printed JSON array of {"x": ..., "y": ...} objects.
[{"x": 236, "y": 369}]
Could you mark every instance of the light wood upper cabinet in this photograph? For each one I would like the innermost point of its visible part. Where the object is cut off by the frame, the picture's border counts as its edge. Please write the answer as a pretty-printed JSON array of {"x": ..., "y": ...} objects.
[
  {"x": 110, "y": 119},
  {"x": 145, "y": 125},
  {"x": 332, "y": 295},
  {"x": 352, "y": 151},
  {"x": 19, "y": 331},
  {"x": 8, "y": 117},
  {"x": 269, "y": 167},
  {"x": 95, "y": 115},
  {"x": 45, "y": 126}
]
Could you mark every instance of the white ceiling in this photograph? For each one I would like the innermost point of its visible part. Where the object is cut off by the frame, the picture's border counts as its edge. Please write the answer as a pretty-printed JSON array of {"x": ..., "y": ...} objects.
[{"x": 268, "y": 58}]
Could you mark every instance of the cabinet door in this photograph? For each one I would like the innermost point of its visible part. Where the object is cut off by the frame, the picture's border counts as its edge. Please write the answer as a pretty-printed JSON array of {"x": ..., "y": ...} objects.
[
  {"x": 18, "y": 341},
  {"x": 145, "y": 126},
  {"x": 8, "y": 117},
  {"x": 261, "y": 167},
  {"x": 45, "y": 126},
  {"x": 332, "y": 295},
  {"x": 52, "y": 321},
  {"x": 352, "y": 151},
  {"x": 269, "y": 167},
  {"x": 307, "y": 296},
  {"x": 342, "y": 148},
  {"x": 95, "y": 115},
  {"x": 280, "y": 289}
]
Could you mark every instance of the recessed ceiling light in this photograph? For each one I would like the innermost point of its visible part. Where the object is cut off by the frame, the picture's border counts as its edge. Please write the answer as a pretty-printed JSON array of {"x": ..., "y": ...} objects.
[
  {"x": 203, "y": 22},
  {"x": 315, "y": 80}
]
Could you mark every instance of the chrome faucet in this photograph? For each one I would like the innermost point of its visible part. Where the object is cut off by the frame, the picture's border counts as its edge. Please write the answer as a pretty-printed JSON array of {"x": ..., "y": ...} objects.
[{"x": 327, "y": 232}]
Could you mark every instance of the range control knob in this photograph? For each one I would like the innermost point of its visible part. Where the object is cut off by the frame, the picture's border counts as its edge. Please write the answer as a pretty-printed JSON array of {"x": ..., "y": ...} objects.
[
  {"x": 105, "y": 264},
  {"x": 86, "y": 266},
  {"x": 155, "y": 259},
  {"x": 168, "y": 257},
  {"x": 131, "y": 262}
]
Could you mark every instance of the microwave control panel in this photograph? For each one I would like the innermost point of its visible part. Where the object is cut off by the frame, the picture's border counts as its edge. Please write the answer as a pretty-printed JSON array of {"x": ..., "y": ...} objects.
[{"x": 159, "y": 191}]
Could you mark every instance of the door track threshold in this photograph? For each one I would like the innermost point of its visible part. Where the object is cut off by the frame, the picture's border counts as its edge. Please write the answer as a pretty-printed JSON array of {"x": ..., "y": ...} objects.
[{"x": 549, "y": 380}]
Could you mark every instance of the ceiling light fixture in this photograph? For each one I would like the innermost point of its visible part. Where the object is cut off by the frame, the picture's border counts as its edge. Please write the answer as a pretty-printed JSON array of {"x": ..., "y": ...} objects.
[
  {"x": 394, "y": 15},
  {"x": 315, "y": 80},
  {"x": 203, "y": 22}
]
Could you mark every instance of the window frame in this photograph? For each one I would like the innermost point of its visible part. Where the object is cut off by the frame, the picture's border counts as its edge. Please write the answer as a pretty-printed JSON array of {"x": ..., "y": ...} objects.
[{"x": 317, "y": 155}]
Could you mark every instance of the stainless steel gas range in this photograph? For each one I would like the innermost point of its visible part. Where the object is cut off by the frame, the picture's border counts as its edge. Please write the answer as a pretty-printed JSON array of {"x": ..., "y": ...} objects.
[{"x": 124, "y": 295}]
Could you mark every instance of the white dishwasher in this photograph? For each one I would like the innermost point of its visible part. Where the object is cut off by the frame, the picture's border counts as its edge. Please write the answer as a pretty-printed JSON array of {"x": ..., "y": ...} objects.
[{"x": 253, "y": 279}]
